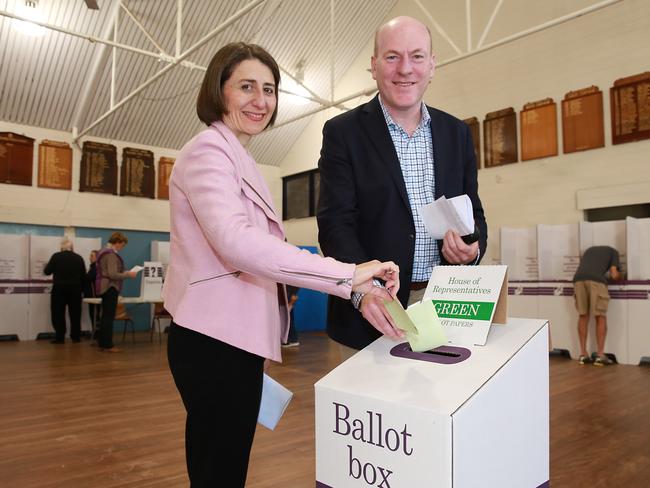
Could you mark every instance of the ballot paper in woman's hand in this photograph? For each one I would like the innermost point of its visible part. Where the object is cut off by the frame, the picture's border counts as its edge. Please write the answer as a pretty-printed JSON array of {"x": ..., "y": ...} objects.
[
  {"x": 420, "y": 323},
  {"x": 275, "y": 400},
  {"x": 444, "y": 214}
]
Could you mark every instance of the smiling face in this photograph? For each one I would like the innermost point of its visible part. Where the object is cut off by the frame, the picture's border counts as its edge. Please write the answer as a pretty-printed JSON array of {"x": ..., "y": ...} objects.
[
  {"x": 250, "y": 96},
  {"x": 402, "y": 65}
]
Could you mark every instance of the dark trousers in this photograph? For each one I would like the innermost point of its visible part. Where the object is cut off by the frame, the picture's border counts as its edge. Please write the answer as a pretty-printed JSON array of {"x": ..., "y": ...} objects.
[
  {"x": 221, "y": 388},
  {"x": 109, "y": 304},
  {"x": 66, "y": 296},
  {"x": 293, "y": 333}
]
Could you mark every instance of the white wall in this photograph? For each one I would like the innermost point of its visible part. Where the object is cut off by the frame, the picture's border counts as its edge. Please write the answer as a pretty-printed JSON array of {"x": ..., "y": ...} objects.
[
  {"x": 594, "y": 49},
  {"x": 44, "y": 206}
]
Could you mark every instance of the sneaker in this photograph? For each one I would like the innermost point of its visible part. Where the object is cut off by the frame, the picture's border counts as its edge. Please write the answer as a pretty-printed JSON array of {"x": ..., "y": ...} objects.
[
  {"x": 290, "y": 344},
  {"x": 602, "y": 361},
  {"x": 584, "y": 360}
]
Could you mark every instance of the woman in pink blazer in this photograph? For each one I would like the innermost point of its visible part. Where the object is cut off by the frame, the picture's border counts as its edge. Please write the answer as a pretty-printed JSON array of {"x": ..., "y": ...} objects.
[{"x": 227, "y": 257}]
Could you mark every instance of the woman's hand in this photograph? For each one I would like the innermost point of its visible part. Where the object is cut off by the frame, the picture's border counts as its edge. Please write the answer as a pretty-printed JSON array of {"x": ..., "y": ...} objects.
[
  {"x": 372, "y": 305},
  {"x": 362, "y": 280}
]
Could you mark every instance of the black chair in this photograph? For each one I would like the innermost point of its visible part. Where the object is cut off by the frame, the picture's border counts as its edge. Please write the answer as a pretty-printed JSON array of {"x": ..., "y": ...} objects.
[{"x": 159, "y": 312}]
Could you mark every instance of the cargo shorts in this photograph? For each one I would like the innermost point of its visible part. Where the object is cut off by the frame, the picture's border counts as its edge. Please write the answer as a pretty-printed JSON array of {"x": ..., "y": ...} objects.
[{"x": 591, "y": 297}]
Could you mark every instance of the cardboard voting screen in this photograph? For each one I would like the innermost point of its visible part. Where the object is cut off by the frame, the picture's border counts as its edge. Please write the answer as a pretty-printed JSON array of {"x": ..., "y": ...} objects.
[{"x": 152, "y": 279}]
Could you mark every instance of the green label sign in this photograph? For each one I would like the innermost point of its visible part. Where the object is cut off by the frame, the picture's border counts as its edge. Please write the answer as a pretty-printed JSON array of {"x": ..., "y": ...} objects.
[{"x": 463, "y": 310}]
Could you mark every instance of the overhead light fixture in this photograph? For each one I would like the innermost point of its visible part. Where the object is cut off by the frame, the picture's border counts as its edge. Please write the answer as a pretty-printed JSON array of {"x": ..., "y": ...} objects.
[
  {"x": 29, "y": 9},
  {"x": 92, "y": 4},
  {"x": 293, "y": 91}
]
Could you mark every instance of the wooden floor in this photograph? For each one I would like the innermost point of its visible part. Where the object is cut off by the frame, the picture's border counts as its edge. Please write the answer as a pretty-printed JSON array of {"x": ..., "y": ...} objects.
[{"x": 71, "y": 417}]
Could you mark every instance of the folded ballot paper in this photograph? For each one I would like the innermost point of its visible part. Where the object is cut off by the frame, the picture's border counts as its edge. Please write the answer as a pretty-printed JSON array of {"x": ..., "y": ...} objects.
[
  {"x": 444, "y": 214},
  {"x": 420, "y": 323},
  {"x": 275, "y": 400}
]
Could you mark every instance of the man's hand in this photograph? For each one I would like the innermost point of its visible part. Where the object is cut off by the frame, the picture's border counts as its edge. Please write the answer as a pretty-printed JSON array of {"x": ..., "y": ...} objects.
[
  {"x": 374, "y": 311},
  {"x": 455, "y": 251}
]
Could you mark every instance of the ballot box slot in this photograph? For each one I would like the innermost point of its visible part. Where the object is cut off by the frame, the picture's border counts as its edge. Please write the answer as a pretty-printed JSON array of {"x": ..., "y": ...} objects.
[
  {"x": 443, "y": 353},
  {"x": 440, "y": 355}
]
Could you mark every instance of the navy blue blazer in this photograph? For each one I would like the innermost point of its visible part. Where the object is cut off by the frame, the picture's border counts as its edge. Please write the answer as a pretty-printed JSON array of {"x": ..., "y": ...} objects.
[{"x": 363, "y": 209}]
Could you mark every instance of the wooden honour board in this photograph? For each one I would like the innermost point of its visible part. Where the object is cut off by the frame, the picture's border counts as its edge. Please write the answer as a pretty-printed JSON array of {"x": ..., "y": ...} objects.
[
  {"x": 54, "y": 165},
  {"x": 538, "y": 129},
  {"x": 137, "y": 174},
  {"x": 16, "y": 158},
  {"x": 583, "y": 125},
  {"x": 500, "y": 137},
  {"x": 98, "y": 168},
  {"x": 474, "y": 128},
  {"x": 630, "y": 107},
  {"x": 165, "y": 166}
]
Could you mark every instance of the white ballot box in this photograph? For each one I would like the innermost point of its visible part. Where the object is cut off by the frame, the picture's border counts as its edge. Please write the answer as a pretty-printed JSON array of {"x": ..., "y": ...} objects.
[{"x": 464, "y": 418}]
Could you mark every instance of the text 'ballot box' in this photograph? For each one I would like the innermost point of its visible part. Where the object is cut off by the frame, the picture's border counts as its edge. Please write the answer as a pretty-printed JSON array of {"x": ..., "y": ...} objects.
[{"x": 471, "y": 417}]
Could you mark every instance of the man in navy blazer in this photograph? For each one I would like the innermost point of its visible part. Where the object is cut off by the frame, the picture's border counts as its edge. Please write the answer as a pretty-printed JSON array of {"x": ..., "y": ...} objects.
[{"x": 379, "y": 163}]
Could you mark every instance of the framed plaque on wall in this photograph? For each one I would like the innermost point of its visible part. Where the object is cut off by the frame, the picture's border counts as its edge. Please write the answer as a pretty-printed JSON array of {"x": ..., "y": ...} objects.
[
  {"x": 98, "y": 168},
  {"x": 137, "y": 173},
  {"x": 54, "y": 165},
  {"x": 500, "y": 137},
  {"x": 474, "y": 129},
  {"x": 538, "y": 129},
  {"x": 630, "y": 106},
  {"x": 16, "y": 158},
  {"x": 165, "y": 166},
  {"x": 582, "y": 120}
]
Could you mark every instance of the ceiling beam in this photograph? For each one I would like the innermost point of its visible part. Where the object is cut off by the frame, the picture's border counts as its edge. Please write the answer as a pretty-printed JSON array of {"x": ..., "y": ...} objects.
[
  {"x": 99, "y": 59},
  {"x": 365, "y": 92},
  {"x": 174, "y": 62},
  {"x": 468, "y": 24},
  {"x": 437, "y": 27},
  {"x": 141, "y": 27},
  {"x": 533, "y": 30},
  {"x": 489, "y": 24}
]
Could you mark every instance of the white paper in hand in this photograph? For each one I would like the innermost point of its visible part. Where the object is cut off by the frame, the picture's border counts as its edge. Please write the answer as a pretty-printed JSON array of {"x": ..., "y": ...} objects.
[
  {"x": 137, "y": 268},
  {"x": 444, "y": 214},
  {"x": 275, "y": 400}
]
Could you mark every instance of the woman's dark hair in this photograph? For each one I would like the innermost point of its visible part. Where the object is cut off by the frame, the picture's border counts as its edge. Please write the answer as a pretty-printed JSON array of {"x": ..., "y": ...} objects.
[{"x": 211, "y": 104}]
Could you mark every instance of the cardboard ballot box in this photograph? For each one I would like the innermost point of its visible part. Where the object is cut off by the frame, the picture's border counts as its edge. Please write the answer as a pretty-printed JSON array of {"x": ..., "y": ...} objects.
[{"x": 467, "y": 417}]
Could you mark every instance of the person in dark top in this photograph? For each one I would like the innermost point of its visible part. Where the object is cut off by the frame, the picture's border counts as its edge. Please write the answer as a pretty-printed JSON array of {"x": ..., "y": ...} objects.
[
  {"x": 69, "y": 275},
  {"x": 592, "y": 297},
  {"x": 89, "y": 291},
  {"x": 292, "y": 298},
  {"x": 108, "y": 284}
]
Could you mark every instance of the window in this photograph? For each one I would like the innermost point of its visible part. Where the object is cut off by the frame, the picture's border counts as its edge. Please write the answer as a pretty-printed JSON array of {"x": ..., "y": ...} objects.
[
  {"x": 300, "y": 195},
  {"x": 639, "y": 211}
]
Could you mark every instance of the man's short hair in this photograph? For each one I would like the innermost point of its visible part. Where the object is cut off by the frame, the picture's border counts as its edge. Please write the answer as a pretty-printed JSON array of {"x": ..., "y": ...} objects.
[
  {"x": 66, "y": 244},
  {"x": 211, "y": 103},
  {"x": 374, "y": 49},
  {"x": 117, "y": 237}
]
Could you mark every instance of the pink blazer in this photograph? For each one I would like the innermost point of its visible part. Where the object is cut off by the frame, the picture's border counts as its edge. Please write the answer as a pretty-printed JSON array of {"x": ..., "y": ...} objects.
[{"x": 227, "y": 249}]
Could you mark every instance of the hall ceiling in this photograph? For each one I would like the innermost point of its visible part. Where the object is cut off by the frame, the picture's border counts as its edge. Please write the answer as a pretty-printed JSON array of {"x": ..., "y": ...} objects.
[{"x": 63, "y": 81}]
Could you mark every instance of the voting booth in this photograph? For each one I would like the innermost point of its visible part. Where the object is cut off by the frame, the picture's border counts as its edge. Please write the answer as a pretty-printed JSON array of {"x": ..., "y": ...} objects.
[{"x": 461, "y": 416}]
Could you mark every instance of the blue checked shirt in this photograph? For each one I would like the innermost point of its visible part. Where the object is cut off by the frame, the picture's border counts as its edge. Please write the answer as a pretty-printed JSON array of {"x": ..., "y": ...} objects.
[{"x": 415, "y": 154}]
